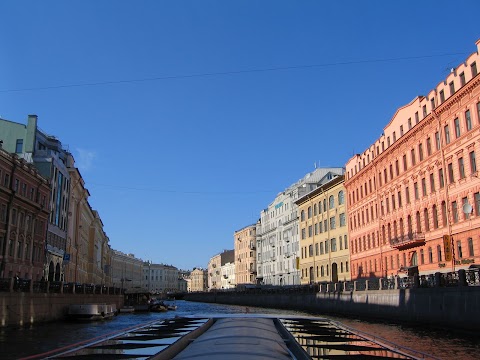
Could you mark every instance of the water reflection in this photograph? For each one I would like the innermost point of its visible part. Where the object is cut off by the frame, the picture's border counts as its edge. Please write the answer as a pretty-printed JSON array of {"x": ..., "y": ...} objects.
[{"x": 40, "y": 338}]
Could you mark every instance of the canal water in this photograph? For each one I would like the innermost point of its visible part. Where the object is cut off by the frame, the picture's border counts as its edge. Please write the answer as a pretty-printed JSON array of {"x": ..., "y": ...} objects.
[{"x": 16, "y": 343}]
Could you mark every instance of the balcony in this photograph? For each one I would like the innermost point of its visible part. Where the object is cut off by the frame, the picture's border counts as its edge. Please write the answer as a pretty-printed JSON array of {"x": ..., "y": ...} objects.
[{"x": 408, "y": 241}]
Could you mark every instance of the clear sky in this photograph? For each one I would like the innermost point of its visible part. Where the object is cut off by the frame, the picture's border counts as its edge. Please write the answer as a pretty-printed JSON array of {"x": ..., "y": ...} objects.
[{"x": 186, "y": 118}]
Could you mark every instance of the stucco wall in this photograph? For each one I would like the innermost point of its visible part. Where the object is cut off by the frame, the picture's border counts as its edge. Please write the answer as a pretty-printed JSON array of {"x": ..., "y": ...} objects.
[
  {"x": 457, "y": 308},
  {"x": 18, "y": 309}
]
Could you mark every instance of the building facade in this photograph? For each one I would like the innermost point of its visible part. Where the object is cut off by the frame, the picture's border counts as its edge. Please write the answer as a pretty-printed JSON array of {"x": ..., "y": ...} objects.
[
  {"x": 160, "y": 278},
  {"x": 245, "y": 246},
  {"x": 227, "y": 260},
  {"x": 277, "y": 231},
  {"x": 24, "y": 216},
  {"x": 414, "y": 195},
  {"x": 50, "y": 158},
  {"x": 214, "y": 269},
  {"x": 127, "y": 270},
  {"x": 324, "y": 252},
  {"x": 198, "y": 280}
]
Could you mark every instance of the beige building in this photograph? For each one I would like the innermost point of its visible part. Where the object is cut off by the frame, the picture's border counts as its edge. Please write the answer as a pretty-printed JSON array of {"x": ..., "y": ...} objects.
[
  {"x": 323, "y": 234},
  {"x": 245, "y": 255},
  {"x": 198, "y": 280},
  {"x": 160, "y": 278},
  {"x": 99, "y": 254},
  {"x": 127, "y": 270},
  {"x": 215, "y": 273}
]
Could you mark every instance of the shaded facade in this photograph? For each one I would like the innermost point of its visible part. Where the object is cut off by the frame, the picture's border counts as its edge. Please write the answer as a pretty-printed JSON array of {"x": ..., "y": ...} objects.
[
  {"x": 50, "y": 157},
  {"x": 127, "y": 270},
  {"x": 245, "y": 255},
  {"x": 160, "y": 278},
  {"x": 24, "y": 216},
  {"x": 324, "y": 252},
  {"x": 414, "y": 195}
]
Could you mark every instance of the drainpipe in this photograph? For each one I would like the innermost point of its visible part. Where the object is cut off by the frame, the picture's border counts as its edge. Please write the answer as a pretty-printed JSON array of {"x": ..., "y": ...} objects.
[{"x": 447, "y": 197}]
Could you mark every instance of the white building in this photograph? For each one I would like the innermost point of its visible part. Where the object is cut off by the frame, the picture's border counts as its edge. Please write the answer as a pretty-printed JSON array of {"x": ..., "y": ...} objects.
[
  {"x": 277, "y": 231},
  {"x": 160, "y": 278}
]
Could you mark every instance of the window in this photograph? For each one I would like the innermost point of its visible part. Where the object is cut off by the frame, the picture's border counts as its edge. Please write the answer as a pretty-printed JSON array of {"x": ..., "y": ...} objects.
[
  {"x": 437, "y": 140},
  {"x": 332, "y": 222},
  {"x": 422, "y": 257},
  {"x": 473, "y": 163},
  {"x": 462, "y": 79},
  {"x": 442, "y": 96},
  {"x": 429, "y": 146},
  {"x": 333, "y": 244},
  {"x": 19, "y": 146},
  {"x": 420, "y": 151},
  {"x": 412, "y": 153},
  {"x": 432, "y": 183},
  {"x": 401, "y": 130},
  {"x": 399, "y": 199},
  {"x": 407, "y": 195},
  {"x": 455, "y": 212},
  {"x": 309, "y": 212},
  {"x": 473, "y": 67},
  {"x": 415, "y": 190},
  {"x": 461, "y": 168},
  {"x": 409, "y": 123},
  {"x": 470, "y": 247},
  {"x": 451, "y": 179},
  {"x": 416, "y": 117},
  {"x": 342, "y": 219},
  {"x": 441, "y": 179},
  {"x": 447, "y": 134},
  {"x": 468, "y": 120},
  {"x": 341, "y": 197},
  {"x": 435, "y": 217},
  {"x": 459, "y": 249},
  {"x": 310, "y": 233},
  {"x": 394, "y": 136},
  {"x": 304, "y": 235},
  {"x": 430, "y": 255},
  {"x": 404, "y": 162},
  {"x": 457, "y": 128},
  {"x": 452, "y": 88},
  {"x": 424, "y": 187},
  {"x": 477, "y": 203},
  {"x": 331, "y": 202},
  {"x": 302, "y": 215},
  {"x": 439, "y": 253},
  {"x": 432, "y": 103}
]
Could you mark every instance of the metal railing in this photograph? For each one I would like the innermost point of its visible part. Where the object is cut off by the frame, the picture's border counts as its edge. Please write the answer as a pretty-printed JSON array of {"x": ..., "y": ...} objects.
[{"x": 59, "y": 287}]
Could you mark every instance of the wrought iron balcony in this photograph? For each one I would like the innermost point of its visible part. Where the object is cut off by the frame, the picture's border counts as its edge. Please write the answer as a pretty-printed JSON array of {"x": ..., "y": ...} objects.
[{"x": 407, "y": 241}]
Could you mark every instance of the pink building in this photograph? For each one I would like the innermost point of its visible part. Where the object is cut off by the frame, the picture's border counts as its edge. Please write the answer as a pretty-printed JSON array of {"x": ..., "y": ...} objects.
[{"x": 414, "y": 195}]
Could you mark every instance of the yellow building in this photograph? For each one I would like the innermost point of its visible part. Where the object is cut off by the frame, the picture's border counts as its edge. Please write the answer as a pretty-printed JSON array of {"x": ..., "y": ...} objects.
[
  {"x": 325, "y": 256},
  {"x": 198, "y": 280},
  {"x": 245, "y": 255}
]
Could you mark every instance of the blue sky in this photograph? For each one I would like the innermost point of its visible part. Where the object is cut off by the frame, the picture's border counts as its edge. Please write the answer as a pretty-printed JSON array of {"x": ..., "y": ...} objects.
[{"x": 186, "y": 118}]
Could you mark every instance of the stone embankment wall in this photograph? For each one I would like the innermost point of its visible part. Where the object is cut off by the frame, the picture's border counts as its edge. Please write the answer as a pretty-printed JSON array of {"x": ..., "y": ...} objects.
[
  {"x": 23, "y": 308},
  {"x": 453, "y": 307}
]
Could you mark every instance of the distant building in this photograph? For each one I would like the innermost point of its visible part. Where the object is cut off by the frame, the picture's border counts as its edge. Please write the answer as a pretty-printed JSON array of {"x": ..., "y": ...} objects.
[
  {"x": 228, "y": 269},
  {"x": 198, "y": 280},
  {"x": 324, "y": 252},
  {"x": 277, "y": 231},
  {"x": 214, "y": 268},
  {"x": 414, "y": 194},
  {"x": 23, "y": 218},
  {"x": 127, "y": 270},
  {"x": 245, "y": 255},
  {"x": 160, "y": 278}
]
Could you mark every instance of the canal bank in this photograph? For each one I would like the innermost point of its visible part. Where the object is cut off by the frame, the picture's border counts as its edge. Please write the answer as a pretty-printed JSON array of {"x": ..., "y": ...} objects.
[{"x": 452, "y": 307}]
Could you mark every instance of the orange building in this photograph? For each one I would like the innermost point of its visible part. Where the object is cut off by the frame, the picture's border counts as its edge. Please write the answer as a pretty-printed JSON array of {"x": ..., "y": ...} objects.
[{"x": 414, "y": 195}]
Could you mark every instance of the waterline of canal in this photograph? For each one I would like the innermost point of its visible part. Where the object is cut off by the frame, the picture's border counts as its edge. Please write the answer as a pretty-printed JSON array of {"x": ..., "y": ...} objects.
[{"x": 40, "y": 338}]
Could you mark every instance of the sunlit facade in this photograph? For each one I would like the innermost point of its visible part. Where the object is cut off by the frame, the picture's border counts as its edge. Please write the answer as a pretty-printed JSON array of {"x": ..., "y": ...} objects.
[
  {"x": 324, "y": 252},
  {"x": 245, "y": 255},
  {"x": 414, "y": 195}
]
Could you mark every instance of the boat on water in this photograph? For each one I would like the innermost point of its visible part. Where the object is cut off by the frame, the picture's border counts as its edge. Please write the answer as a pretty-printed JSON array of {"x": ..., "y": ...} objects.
[
  {"x": 238, "y": 336},
  {"x": 91, "y": 311},
  {"x": 126, "y": 310}
]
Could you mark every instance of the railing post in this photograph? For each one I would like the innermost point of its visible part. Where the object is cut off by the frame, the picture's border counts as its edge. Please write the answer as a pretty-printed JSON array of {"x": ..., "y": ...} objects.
[
  {"x": 462, "y": 277},
  {"x": 416, "y": 281},
  {"x": 380, "y": 284}
]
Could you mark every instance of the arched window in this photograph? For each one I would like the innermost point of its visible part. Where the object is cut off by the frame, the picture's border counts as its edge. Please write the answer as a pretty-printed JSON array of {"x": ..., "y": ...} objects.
[
  {"x": 331, "y": 202},
  {"x": 435, "y": 216},
  {"x": 341, "y": 197},
  {"x": 309, "y": 212}
]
